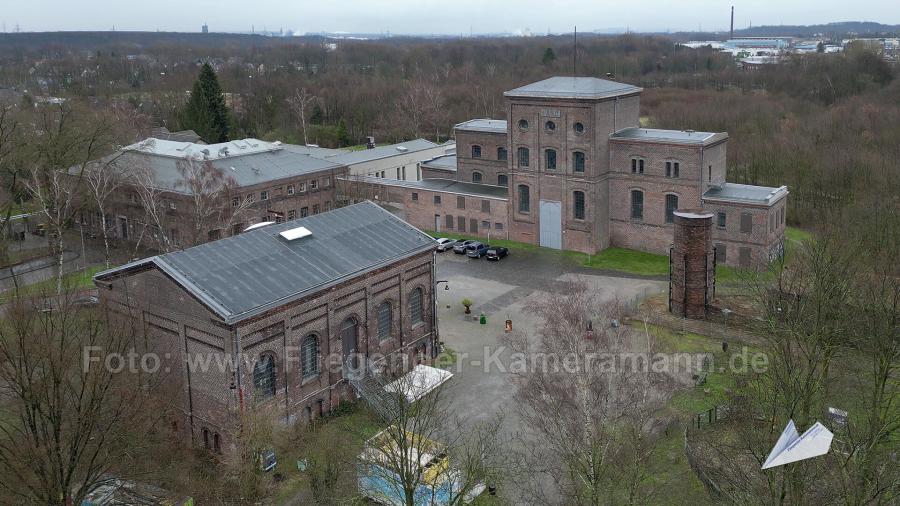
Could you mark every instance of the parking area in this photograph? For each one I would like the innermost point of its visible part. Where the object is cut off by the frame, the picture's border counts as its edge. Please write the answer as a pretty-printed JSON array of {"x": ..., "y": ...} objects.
[{"x": 500, "y": 289}]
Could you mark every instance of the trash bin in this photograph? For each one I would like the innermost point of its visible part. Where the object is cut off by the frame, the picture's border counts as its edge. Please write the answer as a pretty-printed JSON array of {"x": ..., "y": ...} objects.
[{"x": 482, "y": 319}]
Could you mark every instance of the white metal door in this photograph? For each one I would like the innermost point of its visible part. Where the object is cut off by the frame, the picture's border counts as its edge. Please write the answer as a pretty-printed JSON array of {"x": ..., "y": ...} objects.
[{"x": 551, "y": 224}]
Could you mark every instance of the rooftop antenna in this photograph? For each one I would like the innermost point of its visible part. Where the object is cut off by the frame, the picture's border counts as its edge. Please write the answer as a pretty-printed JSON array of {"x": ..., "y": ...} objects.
[{"x": 575, "y": 54}]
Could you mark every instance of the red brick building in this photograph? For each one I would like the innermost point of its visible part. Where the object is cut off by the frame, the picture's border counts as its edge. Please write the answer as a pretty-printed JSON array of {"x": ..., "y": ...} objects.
[
  {"x": 278, "y": 314},
  {"x": 583, "y": 175}
]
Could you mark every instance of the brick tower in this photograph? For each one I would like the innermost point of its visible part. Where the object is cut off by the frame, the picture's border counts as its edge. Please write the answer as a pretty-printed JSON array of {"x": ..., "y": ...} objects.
[{"x": 692, "y": 264}]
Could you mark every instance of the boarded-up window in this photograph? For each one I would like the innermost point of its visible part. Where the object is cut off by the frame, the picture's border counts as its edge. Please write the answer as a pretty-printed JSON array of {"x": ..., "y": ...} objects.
[
  {"x": 461, "y": 223},
  {"x": 460, "y": 202},
  {"x": 744, "y": 257},
  {"x": 746, "y": 223},
  {"x": 485, "y": 206},
  {"x": 473, "y": 226},
  {"x": 448, "y": 222}
]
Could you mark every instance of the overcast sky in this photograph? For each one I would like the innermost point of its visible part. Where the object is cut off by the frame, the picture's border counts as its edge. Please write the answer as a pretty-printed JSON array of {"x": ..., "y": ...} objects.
[{"x": 432, "y": 17}]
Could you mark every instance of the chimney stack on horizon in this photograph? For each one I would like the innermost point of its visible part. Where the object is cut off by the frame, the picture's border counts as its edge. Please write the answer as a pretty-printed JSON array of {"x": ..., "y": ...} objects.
[{"x": 732, "y": 23}]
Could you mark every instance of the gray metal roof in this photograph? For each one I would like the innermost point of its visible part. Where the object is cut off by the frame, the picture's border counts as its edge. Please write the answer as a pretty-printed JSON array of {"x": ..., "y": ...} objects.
[
  {"x": 163, "y": 133},
  {"x": 483, "y": 125},
  {"x": 316, "y": 151},
  {"x": 366, "y": 155},
  {"x": 745, "y": 193},
  {"x": 244, "y": 169},
  {"x": 669, "y": 136},
  {"x": 573, "y": 87},
  {"x": 443, "y": 162},
  {"x": 248, "y": 274},
  {"x": 440, "y": 185}
]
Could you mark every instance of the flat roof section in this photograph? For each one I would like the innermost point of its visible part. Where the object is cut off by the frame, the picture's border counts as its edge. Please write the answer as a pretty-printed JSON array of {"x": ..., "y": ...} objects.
[
  {"x": 745, "y": 193},
  {"x": 573, "y": 87},
  {"x": 483, "y": 125},
  {"x": 439, "y": 185},
  {"x": 668, "y": 136},
  {"x": 443, "y": 162}
]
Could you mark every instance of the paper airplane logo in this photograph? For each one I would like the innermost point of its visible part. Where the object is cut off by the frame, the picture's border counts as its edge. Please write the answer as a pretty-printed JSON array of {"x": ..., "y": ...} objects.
[{"x": 792, "y": 447}]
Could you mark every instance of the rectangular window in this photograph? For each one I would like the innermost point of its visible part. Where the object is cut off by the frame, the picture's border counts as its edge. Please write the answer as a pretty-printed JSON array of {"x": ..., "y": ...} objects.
[
  {"x": 579, "y": 161},
  {"x": 326, "y": 182},
  {"x": 524, "y": 199},
  {"x": 641, "y": 166},
  {"x": 746, "y": 223},
  {"x": 634, "y": 165},
  {"x": 235, "y": 201},
  {"x": 314, "y": 185},
  {"x": 668, "y": 169},
  {"x": 461, "y": 223},
  {"x": 676, "y": 169},
  {"x": 744, "y": 257},
  {"x": 709, "y": 177},
  {"x": 485, "y": 206},
  {"x": 398, "y": 172},
  {"x": 485, "y": 225},
  {"x": 437, "y": 200},
  {"x": 550, "y": 159},
  {"x": 292, "y": 214},
  {"x": 579, "y": 205},
  {"x": 671, "y": 206},
  {"x": 250, "y": 198},
  {"x": 264, "y": 195},
  {"x": 721, "y": 253},
  {"x": 448, "y": 222},
  {"x": 304, "y": 212},
  {"x": 637, "y": 204},
  {"x": 720, "y": 219},
  {"x": 498, "y": 226},
  {"x": 302, "y": 187},
  {"x": 523, "y": 157},
  {"x": 415, "y": 196},
  {"x": 290, "y": 189},
  {"x": 460, "y": 202},
  {"x": 473, "y": 226},
  {"x": 328, "y": 205},
  {"x": 404, "y": 172},
  {"x": 501, "y": 154},
  {"x": 315, "y": 208}
]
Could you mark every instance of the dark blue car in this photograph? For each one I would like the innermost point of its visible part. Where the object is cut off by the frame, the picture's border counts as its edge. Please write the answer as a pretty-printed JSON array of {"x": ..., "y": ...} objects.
[{"x": 476, "y": 250}]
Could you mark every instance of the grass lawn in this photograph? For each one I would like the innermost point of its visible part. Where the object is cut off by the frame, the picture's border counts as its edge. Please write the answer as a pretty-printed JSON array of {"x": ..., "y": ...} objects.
[{"x": 625, "y": 260}]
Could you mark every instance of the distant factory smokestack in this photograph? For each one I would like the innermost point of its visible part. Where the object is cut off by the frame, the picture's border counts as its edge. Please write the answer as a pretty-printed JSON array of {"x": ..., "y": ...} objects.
[{"x": 732, "y": 23}]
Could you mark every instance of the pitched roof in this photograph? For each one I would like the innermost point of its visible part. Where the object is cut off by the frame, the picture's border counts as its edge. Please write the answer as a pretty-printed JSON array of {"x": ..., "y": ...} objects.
[
  {"x": 245, "y": 275},
  {"x": 163, "y": 133},
  {"x": 668, "y": 136},
  {"x": 366, "y": 155},
  {"x": 483, "y": 125},
  {"x": 745, "y": 193},
  {"x": 246, "y": 162},
  {"x": 573, "y": 87}
]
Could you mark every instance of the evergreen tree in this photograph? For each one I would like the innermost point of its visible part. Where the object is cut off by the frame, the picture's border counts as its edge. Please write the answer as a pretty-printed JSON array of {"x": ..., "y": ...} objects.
[
  {"x": 317, "y": 114},
  {"x": 549, "y": 56},
  {"x": 205, "y": 112},
  {"x": 342, "y": 134}
]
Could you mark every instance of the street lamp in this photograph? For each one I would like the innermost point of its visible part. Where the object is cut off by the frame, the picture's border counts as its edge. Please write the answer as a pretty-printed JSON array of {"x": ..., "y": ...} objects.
[
  {"x": 725, "y": 312},
  {"x": 434, "y": 316}
]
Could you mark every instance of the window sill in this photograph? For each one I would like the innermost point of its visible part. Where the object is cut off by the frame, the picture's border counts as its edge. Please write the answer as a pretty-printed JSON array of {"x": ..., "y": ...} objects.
[{"x": 309, "y": 379}]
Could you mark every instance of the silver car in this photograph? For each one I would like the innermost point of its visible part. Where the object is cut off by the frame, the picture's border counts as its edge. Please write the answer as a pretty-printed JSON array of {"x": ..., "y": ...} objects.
[{"x": 443, "y": 243}]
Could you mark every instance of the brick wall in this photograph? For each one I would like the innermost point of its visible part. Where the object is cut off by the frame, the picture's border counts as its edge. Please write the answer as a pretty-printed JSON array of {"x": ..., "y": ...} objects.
[
  {"x": 421, "y": 212},
  {"x": 178, "y": 328},
  {"x": 763, "y": 243},
  {"x": 488, "y": 165}
]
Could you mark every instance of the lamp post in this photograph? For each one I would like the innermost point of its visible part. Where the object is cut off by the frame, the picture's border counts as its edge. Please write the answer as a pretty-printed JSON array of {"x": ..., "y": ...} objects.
[
  {"x": 725, "y": 312},
  {"x": 434, "y": 316}
]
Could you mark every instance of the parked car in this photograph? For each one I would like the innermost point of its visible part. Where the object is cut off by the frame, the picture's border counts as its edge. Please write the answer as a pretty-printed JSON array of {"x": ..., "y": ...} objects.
[
  {"x": 476, "y": 250},
  {"x": 443, "y": 243},
  {"x": 460, "y": 247},
  {"x": 496, "y": 253}
]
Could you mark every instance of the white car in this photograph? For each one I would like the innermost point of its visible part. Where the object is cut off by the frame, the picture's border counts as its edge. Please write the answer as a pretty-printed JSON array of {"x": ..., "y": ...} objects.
[{"x": 444, "y": 244}]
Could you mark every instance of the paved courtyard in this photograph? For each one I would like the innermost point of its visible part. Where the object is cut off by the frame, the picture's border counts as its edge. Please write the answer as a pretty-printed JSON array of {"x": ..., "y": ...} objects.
[{"x": 500, "y": 290}]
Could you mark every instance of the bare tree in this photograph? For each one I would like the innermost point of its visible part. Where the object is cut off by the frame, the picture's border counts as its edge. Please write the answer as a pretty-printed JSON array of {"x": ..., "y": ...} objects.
[
  {"x": 300, "y": 100},
  {"x": 70, "y": 417},
  {"x": 591, "y": 417},
  {"x": 425, "y": 453},
  {"x": 156, "y": 212},
  {"x": 104, "y": 179}
]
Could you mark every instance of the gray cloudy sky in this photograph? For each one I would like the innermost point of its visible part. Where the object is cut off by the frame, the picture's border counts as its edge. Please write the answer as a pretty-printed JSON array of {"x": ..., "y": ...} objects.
[{"x": 429, "y": 16}]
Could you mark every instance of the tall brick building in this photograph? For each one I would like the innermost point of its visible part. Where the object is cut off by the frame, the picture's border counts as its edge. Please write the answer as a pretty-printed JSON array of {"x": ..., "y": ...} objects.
[
  {"x": 278, "y": 314},
  {"x": 581, "y": 174}
]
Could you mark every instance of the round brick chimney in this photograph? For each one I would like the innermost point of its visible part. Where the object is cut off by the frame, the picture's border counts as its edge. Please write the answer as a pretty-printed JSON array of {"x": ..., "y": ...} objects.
[{"x": 692, "y": 272}]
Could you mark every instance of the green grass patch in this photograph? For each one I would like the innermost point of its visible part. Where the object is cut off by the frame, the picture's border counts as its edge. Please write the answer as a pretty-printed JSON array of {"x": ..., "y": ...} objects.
[
  {"x": 626, "y": 260},
  {"x": 797, "y": 235}
]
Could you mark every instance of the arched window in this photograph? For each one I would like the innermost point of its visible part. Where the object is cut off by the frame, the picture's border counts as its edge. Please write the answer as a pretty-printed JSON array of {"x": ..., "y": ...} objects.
[
  {"x": 578, "y": 205},
  {"x": 385, "y": 317},
  {"x": 524, "y": 199},
  {"x": 309, "y": 356},
  {"x": 206, "y": 439},
  {"x": 264, "y": 376},
  {"x": 476, "y": 151},
  {"x": 501, "y": 154},
  {"x": 671, "y": 206},
  {"x": 476, "y": 177},
  {"x": 416, "y": 311},
  {"x": 550, "y": 159},
  {"x": 637, "y": 204},
  {"x": 217, "y": 444},
  {"x": 523, "y": 157},
  {"x": 349, "y": 332},
  {"x": 502, "y": 180},
  {"x": 578, "y": 161}
]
